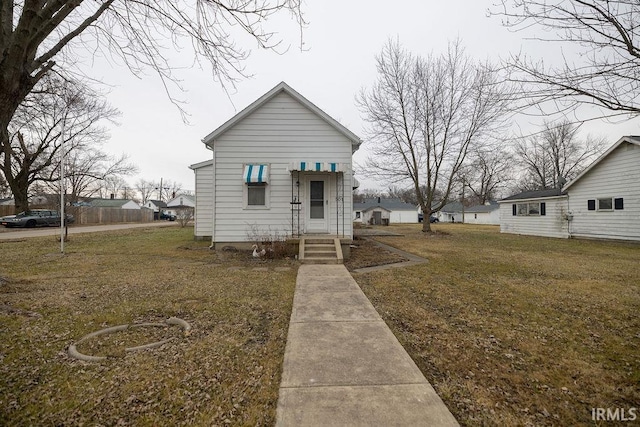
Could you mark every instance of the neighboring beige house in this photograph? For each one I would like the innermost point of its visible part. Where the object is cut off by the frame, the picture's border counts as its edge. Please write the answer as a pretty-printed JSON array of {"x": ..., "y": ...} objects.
[
  {"x": 602, "y": 202},
  {"x": 280, "y": 166}
]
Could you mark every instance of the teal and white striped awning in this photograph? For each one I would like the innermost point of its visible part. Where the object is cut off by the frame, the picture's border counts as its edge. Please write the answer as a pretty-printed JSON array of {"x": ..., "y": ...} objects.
[
  {"x": 305, "y": 166},
  {"x": 255, "y": 174}
]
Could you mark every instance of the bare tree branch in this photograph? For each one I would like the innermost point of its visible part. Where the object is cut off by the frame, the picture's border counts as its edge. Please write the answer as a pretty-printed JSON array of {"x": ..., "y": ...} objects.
[{"x": 604, "y": 71}]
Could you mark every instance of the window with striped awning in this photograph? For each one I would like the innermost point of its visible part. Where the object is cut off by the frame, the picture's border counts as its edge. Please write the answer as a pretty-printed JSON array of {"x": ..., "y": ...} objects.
[
  {"x": 304, "y": 166},
  {"x": 255, "y": 174}
]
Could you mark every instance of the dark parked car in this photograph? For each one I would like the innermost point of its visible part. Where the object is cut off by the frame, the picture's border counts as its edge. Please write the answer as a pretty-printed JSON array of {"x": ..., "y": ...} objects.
[
  {"x": 34, "y": 218},
  {"x": 167, "y": 216},
  {"x": 432, "y": 218}
]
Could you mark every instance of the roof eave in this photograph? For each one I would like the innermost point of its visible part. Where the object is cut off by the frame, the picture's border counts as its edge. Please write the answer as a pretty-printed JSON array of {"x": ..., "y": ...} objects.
[{"x": 630, "y": 139}]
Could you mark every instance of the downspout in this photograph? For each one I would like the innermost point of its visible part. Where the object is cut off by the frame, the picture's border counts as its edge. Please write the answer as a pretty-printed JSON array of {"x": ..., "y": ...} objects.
[
  {"x": 213, "y": 202},
  {"x": 569, "y": 216},
  {"x": 337, "y": 206}
]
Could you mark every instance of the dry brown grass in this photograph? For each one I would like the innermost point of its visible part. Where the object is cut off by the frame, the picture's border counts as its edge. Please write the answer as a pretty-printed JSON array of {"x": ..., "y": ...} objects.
[
  {"x": 365, "y": 253},
  {"x": 226, "y": 372},
  {"x": 515, "y": 330}
]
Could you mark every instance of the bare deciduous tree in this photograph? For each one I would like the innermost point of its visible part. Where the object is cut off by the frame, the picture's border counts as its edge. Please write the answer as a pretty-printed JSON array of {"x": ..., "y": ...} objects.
[
  {"x": 359, "y": 196},
  {"x": 38, "y": 37},
  {"x": 89, "y": 171},
  {"x": 145, "y": 190},
  {"x": 555, "y": 156},
  {"x": 487, "y": 173},
  {"x": 605, "y": 71},
  {"x": 426, "y": 114},
  {"x": 58, "y": 112}
]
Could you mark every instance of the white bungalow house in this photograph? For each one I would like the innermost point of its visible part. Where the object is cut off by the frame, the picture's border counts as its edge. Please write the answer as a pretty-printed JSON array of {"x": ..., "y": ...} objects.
[
  {"x": 380, "y": 210},
  {"x": 536, "y": 213},
  {"x": 155, "y": 205},
  {"x": 280, "y": 166},
  {"x": 602, "y": 202},
  {"x": 179, "y": 203},
  {"x": 451, "y": 212},
  {"x": 489, "y": 213}
]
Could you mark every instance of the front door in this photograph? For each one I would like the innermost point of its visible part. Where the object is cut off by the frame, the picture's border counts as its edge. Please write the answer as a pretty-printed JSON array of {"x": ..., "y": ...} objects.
[{"x": 317, "y": 205}]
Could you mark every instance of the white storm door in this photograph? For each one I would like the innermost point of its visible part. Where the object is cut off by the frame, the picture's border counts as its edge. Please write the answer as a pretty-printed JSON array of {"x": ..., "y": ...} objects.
[{"x": 317, "y": 205}]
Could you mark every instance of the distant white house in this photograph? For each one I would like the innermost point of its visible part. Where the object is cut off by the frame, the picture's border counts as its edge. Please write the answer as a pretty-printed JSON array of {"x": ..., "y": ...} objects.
[
  {"x": 451, "y": 212},
  {"x": 157, "y": 206},
  {"x": 602, "y": 202},
  {"x": 180, "y": 202},
  {"x": 113, "y": 203},
  {"x": 489, "y": 213},
  {"x": 380, "y": 210},
  {"x": 281, "y": 165}
]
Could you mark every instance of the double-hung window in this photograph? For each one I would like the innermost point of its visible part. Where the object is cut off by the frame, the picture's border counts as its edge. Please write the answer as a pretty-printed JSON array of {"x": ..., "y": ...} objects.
[{"x": 255, "y": 179}]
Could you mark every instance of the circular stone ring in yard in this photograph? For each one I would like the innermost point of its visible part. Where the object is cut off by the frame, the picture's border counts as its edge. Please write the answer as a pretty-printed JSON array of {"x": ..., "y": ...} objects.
[{"x": 73, "y": 351}]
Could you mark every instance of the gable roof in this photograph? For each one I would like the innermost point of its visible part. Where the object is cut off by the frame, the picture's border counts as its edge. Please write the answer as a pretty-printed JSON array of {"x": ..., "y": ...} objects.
[
  {"x": 387, "y": 204},
  {"x": 633, "y": 139},
  {"x": 158, "y": 203},
  {"x": 535, "y": 194},
  {"x": 492, "y": 206},
  {"x": 283, "y": 87},
  {"x": 451, "y": 207}
]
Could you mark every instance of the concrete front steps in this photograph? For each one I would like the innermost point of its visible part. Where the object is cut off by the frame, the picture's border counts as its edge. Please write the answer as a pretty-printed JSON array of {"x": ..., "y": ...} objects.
[{"x": 320, "y": 250}]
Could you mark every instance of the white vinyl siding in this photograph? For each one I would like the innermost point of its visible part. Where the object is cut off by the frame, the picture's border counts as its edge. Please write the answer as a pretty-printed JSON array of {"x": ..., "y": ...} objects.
[
  {"x": 403, "y": 217},
  {"x": 617, "y": 176},
  {"x": 492, "y": 218},
  {"x": 552, "y": 224},
  {"x": 203, "y": 215},
  {"x": 280, "y": 132}
]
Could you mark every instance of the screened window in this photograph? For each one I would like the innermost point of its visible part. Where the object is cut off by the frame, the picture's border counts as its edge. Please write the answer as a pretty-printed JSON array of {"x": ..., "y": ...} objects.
[
  {"x": 256, "y": 194},
  {"x": 534, "y": 208},
  {"x": 523, "y": 209}
]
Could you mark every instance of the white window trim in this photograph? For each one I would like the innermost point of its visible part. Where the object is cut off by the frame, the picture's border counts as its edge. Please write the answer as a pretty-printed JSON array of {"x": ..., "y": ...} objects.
[{"x": 598, "y": 209}]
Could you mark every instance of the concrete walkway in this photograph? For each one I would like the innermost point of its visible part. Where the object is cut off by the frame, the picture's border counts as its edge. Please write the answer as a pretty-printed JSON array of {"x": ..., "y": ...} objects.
[{"x": 342, "y": 364}]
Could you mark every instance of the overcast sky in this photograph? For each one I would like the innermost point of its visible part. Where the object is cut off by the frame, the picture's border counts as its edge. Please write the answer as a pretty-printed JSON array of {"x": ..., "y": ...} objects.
[{"x": 340, "y": 44}]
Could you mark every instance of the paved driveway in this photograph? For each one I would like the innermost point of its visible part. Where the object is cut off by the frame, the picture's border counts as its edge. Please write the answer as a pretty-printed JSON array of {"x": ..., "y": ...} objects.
[{"x": 21, "y": 233}]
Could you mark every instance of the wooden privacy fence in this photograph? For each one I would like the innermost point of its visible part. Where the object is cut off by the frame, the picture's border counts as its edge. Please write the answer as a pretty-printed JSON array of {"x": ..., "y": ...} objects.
[
  {"x": 6, "y": 210},
  {"x": 90, "y": 215}
]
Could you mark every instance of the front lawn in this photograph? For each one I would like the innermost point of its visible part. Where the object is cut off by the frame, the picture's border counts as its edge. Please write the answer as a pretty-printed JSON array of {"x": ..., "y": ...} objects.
[
  {"x": 226, "y": 371},
  {"x": 515, "y": 330}
]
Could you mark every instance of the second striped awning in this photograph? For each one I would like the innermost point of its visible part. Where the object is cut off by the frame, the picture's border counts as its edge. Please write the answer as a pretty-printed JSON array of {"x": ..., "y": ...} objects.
[{"x": 305, "y": 166}]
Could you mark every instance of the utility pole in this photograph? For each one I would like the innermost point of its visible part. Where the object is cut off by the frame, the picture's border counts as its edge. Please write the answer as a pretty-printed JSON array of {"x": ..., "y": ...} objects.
[
  {"x": 62, "y": 188},
  {"x": 463, "y": 183}
]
